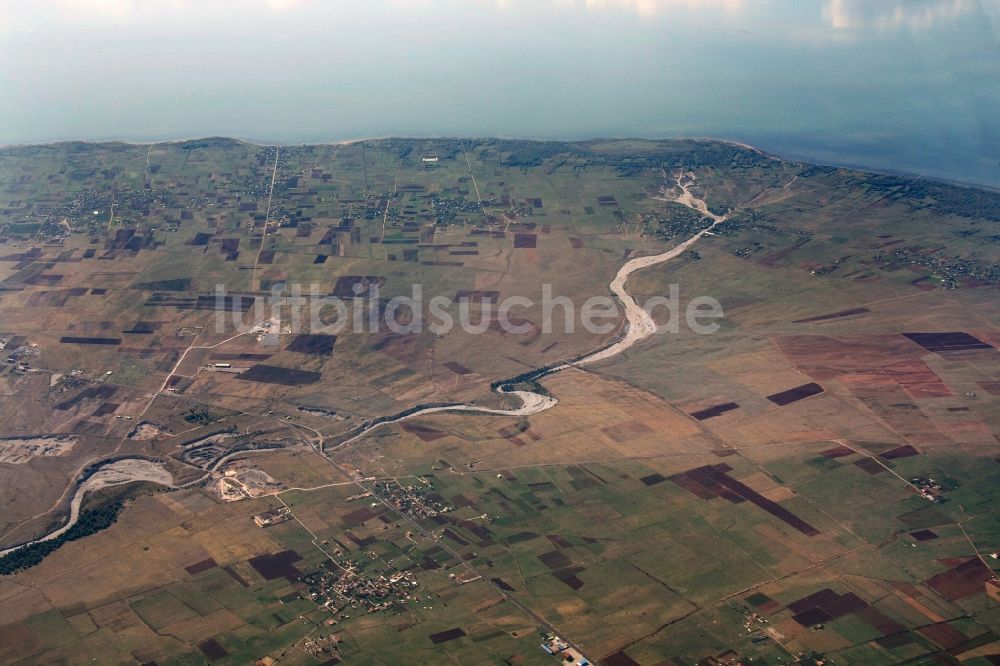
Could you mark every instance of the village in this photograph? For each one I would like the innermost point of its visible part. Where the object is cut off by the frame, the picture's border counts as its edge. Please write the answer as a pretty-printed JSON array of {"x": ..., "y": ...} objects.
[
  {"x": 413, "y": 500},
  {"x": 343, "y": 579}
]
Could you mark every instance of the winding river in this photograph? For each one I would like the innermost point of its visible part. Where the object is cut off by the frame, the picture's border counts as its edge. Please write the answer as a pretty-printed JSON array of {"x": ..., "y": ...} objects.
[
  {"x": 122, "y": 471},
  {"x": 639, "y": 325}
]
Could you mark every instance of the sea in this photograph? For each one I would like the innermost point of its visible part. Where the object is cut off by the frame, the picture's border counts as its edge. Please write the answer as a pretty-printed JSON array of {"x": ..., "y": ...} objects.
[{"x": 910, "y": 86}]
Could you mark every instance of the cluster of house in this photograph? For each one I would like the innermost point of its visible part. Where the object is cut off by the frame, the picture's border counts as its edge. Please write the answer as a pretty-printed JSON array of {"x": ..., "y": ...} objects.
[
  {"x": 412, "y": 500},
  {"x": 929, "y": 489},
  {"x": 374, "y": 593}
]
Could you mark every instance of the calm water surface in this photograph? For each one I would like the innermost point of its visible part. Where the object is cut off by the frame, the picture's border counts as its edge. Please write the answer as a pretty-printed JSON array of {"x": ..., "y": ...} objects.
[{"x": 908, "y": 85}]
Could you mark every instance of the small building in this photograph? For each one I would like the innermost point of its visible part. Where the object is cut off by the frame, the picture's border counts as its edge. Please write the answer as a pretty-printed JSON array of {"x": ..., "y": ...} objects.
[
  {"x": 557, "y": 647},
  {"x": 272, "y": 517},
  {"x": 554, "y": 645}
]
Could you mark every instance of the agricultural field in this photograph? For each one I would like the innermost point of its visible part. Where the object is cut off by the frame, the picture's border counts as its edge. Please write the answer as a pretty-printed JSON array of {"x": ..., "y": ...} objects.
[{"x": 815, "y": 480}]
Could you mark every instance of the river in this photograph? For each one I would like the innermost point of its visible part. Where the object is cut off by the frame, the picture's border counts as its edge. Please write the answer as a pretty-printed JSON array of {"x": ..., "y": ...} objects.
[
  {"x": 119, "y": 472},
  {"x": 639, "y": 325}
]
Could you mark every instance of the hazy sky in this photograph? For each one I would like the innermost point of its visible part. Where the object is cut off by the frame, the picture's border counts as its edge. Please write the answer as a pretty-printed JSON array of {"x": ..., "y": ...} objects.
[{"x": 849, "y": 79}]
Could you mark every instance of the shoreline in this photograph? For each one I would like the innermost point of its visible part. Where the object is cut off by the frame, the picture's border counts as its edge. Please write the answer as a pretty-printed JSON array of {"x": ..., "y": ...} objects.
[{"x": 847, "y": 163}]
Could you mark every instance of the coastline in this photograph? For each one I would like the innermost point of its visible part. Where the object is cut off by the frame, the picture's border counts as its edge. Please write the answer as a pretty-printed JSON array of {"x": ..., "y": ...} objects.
[{"x": 848, "y": 163}]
